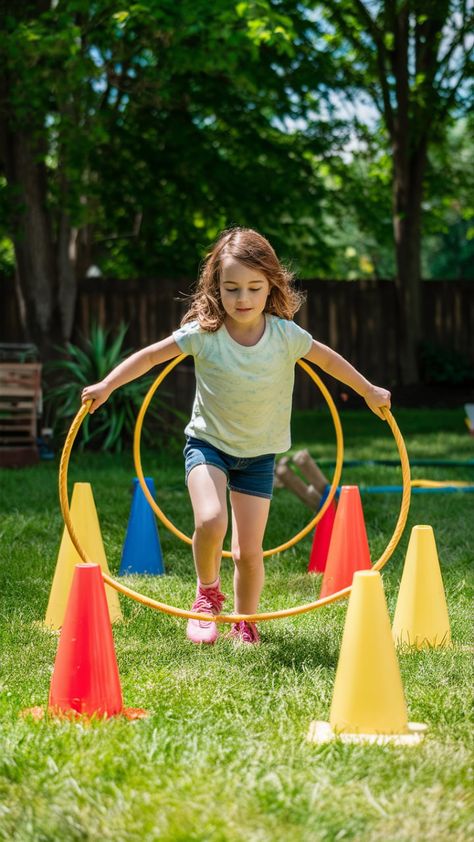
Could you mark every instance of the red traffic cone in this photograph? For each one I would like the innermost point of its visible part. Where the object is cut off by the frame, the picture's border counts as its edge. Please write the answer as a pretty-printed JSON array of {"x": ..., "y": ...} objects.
[
  {"x": 85, "y": 677},
  {"x": 322, "y": 538},
  {"x": 349, "y": 549}
]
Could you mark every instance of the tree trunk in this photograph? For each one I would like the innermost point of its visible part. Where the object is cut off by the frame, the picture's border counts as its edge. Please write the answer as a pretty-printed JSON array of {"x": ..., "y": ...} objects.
[
  {"x": 67, "y": 285},
  {"x": 45, "y": 280},
  {"x": 45, "y": 275},
  {"x": 409, "y": 161},
  {"x": 407, "y": 197},
  {"x": 33, "y": 243}
]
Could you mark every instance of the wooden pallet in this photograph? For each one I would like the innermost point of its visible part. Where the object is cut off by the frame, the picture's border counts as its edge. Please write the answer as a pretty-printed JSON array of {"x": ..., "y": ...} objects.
[{"x": 20, "y": 406}]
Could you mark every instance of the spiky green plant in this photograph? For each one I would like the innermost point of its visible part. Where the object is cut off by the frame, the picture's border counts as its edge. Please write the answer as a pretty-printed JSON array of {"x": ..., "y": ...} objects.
[{"x": 112, "y": 426}]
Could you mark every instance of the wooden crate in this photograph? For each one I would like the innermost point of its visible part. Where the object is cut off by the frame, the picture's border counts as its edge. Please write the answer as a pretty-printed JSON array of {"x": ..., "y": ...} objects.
[{"x": 20, "y": 406}]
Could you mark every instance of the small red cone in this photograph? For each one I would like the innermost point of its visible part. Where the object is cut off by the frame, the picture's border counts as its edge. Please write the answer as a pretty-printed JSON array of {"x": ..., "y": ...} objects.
[
  {"x": 348, "y": 549},
  {"x": 321, "y": 539},
  {"x": 85, "y": 678}
]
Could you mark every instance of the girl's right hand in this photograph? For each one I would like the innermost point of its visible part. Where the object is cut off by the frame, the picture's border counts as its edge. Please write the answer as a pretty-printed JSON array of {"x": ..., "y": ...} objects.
[
  {"x": 376, "y": 397},
  {"x": 97, "y": 393}
]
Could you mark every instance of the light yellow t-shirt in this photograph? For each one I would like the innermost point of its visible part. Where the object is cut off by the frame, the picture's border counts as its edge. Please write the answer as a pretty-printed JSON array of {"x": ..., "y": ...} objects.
[{"x": 243, "y": 394}]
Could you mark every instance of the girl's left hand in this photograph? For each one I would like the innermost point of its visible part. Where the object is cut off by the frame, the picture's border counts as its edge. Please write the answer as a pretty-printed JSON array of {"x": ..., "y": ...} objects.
[{"x": 375, "y": 398}]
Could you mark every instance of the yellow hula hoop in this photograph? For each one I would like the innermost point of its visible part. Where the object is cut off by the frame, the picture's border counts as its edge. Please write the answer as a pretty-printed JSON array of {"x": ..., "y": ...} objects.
[
  {"x": 432, "y": 483},
  {"x": 169, "y": 525},
  {"x": 230, "y": 618}
]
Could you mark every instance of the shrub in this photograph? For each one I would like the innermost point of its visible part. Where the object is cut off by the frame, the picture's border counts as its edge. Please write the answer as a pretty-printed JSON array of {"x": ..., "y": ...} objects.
[
  {"x": 113, "y": 425},
  {"x": 444, "y": 365}
]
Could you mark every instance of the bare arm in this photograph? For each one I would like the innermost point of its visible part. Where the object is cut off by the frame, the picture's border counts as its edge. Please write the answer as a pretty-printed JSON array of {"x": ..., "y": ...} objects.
[
  {"x": 131, "y": 368},
  {"x": 335, "y": 365}
]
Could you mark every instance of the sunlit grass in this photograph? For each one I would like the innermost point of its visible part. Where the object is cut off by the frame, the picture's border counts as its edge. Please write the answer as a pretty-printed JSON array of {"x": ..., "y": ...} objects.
[{"x": 223, "y": 753}]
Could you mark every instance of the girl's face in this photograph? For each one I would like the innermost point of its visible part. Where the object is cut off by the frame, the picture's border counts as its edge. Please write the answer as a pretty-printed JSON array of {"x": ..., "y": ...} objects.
[{"x": 244, "y": 292}]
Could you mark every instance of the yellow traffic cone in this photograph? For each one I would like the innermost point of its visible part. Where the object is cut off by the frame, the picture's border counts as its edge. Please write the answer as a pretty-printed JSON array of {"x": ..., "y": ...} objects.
[
  {"x": 368, "y": 703},
  {"x": 421, "y": 616},
  {"x": 86, "y": 524}
]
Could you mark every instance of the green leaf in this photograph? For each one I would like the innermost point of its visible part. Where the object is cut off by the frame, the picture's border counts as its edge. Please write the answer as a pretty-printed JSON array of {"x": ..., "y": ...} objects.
[{"x": 121, "y": 17}]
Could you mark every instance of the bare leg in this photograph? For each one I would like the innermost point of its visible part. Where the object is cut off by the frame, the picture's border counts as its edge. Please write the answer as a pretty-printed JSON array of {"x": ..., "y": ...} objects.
[
  {"x": 249, "y": 519},
  {"x": 207, "y": 488}
]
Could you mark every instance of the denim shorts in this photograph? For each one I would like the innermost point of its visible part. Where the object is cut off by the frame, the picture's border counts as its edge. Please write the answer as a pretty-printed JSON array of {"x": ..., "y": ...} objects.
[{"x": 253, "y": 475}]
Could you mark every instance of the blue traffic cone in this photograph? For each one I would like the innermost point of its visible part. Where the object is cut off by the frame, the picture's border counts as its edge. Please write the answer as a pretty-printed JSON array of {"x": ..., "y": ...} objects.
[{"x": 142, "y": 549}]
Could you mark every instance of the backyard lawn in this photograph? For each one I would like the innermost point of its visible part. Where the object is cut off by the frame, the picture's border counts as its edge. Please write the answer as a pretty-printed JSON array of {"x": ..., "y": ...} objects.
[{"x": 223, "y": 754}]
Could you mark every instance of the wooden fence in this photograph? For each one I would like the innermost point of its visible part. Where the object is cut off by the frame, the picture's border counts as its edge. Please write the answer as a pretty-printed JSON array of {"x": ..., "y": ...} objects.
[{"x": 357, "y": 318}]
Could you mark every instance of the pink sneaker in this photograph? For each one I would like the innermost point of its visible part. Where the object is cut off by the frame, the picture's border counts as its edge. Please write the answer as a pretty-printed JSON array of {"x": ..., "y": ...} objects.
[
  {"x": 208, "y": 601},
  {"x": 244, "y": 632}
]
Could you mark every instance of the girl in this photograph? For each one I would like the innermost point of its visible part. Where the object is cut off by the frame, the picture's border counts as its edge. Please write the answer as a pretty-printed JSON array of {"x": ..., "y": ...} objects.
[{"x": 245, "y": 345}]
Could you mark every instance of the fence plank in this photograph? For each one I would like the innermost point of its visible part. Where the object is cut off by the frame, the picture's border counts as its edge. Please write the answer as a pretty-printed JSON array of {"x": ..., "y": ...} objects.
[{"x": 356, "y": 318}]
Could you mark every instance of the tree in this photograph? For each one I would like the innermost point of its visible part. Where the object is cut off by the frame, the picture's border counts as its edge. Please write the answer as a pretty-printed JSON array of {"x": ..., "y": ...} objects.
[
  {"x": 412, "y": 57},
  {"x": 44, "y": 68},
  {"x": 448, "y": 247},
  {"x": 134, "y": 132}
]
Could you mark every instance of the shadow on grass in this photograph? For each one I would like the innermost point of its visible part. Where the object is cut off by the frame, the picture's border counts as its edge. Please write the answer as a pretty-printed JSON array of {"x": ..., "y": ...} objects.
[{"x": 302, "y": 650}]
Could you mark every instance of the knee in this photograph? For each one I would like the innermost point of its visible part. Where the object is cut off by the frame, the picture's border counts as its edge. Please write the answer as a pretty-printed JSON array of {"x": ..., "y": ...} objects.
[
  {"x": 211, "y": 527},
  {"x": 250, "y": 558}
]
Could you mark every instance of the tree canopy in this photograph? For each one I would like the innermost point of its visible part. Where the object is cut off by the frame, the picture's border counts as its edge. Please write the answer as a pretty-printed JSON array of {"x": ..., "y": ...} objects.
[{"x": 131, "y": 134}]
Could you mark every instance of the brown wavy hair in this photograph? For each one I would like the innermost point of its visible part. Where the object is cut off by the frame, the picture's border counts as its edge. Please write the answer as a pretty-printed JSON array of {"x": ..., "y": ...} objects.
[{"x": 253, "y": 250}]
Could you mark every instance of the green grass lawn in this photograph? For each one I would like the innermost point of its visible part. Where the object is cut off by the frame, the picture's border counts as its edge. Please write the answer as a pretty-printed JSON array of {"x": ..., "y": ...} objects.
[{"x": 223, "y": 754}]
